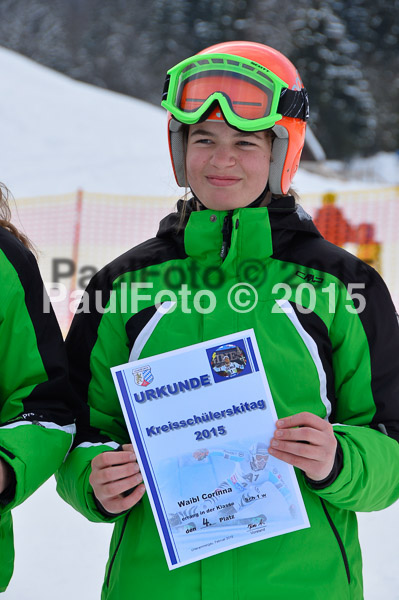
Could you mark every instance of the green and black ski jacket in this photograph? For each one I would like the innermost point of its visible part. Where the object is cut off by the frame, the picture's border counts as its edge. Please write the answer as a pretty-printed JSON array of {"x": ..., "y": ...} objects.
[
  {"x": 36, "y": 424},
  {"x": 330, "y": 347}
]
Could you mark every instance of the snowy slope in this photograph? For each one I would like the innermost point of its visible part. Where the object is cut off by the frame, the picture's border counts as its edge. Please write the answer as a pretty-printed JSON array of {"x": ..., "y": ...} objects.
[{"x": 58, "y": 135}]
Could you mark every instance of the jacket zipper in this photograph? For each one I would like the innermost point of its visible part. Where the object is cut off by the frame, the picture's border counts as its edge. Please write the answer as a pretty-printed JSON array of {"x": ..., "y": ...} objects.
[
  {"x": 111, "y": 564},
  {"x": 226, "y": 233},
  {"x": 339, "y": 540}
]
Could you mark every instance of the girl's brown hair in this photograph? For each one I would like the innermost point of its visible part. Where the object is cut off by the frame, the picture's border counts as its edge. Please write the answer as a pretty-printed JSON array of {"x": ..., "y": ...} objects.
[{"x": 5, "y": 219}]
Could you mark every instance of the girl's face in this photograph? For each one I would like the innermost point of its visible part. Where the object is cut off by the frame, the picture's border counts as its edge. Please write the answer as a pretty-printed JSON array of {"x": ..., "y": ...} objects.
[{"x": 226, "y": 168}]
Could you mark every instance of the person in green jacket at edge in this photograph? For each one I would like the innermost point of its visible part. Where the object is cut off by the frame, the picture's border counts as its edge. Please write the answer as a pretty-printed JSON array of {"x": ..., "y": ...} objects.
[
  {"x": 36, "y": 420},
  {"x": 237, "y": 114}
]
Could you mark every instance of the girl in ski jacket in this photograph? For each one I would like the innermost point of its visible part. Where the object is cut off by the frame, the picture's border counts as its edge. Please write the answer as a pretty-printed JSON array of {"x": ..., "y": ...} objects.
[
  {"x": 36, "y": 424},
  {"x": 236, "y": 123}
]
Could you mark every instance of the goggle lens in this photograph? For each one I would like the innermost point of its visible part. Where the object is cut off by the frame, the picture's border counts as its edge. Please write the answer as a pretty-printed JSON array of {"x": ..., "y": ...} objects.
[{"x": 245, "y": 98}]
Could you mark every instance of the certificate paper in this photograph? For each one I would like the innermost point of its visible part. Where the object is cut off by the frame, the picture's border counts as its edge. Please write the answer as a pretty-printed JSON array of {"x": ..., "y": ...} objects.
[{"x": 201, "y": 419}]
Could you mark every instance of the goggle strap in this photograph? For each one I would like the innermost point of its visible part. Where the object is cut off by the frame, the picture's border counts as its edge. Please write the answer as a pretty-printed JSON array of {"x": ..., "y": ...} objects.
[{"x": 294, "y": 104}]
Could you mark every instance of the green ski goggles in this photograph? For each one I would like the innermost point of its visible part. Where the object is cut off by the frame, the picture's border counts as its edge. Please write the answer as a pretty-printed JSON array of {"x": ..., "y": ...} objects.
[{"x": 250, "y": 96}]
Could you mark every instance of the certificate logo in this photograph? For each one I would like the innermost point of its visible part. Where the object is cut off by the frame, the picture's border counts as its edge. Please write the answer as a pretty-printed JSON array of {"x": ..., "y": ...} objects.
[
  {"x": 228, "y": 361},
  {"x": 143, "y": 376}
]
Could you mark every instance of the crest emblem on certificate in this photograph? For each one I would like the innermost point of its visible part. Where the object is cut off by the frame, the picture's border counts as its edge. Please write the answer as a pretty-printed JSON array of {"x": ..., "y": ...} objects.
[{"x": 143, "y": 376}]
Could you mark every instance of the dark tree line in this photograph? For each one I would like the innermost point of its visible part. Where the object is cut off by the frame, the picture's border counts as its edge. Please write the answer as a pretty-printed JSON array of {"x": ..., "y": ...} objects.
[{"x": 346, "y": 51}]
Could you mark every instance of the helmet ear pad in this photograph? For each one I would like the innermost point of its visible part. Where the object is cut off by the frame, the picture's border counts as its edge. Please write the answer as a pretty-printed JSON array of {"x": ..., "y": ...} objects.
[
  {"x": 286, "y": 153},
  {"x": 279, "y": 154},
  {"x": 177, "y": 150}
]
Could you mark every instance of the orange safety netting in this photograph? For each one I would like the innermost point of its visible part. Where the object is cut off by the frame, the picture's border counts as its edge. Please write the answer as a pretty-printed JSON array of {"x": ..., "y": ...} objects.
[{"x": 77, "y": 234}]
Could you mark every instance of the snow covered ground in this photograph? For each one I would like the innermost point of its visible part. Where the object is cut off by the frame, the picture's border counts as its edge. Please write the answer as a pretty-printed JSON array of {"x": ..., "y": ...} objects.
[{"x": 59, "y": 135}]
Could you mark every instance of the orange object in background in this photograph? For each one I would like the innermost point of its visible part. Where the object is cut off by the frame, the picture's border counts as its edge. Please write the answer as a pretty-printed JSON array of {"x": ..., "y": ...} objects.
[
  {"x": 333, "y": 226},
  {"x": 368, "y": 250}
]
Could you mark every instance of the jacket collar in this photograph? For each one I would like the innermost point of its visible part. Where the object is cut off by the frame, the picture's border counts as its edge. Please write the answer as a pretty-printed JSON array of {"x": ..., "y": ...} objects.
[{"x": 257, "y": 232}]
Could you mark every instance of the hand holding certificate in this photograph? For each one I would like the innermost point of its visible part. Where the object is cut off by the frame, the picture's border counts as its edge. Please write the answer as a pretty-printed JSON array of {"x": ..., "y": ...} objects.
[
  {"x": 115, "y": 479},
  {"x": 201, "y": 419}
]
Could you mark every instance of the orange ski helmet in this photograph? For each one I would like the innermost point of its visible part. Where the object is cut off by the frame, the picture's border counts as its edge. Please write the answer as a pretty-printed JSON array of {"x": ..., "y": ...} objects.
[{"x": 249, "y": 85}]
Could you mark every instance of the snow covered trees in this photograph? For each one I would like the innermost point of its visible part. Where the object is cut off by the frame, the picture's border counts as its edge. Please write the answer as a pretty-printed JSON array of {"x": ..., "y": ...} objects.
[{"x": 346, "y": 51}]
